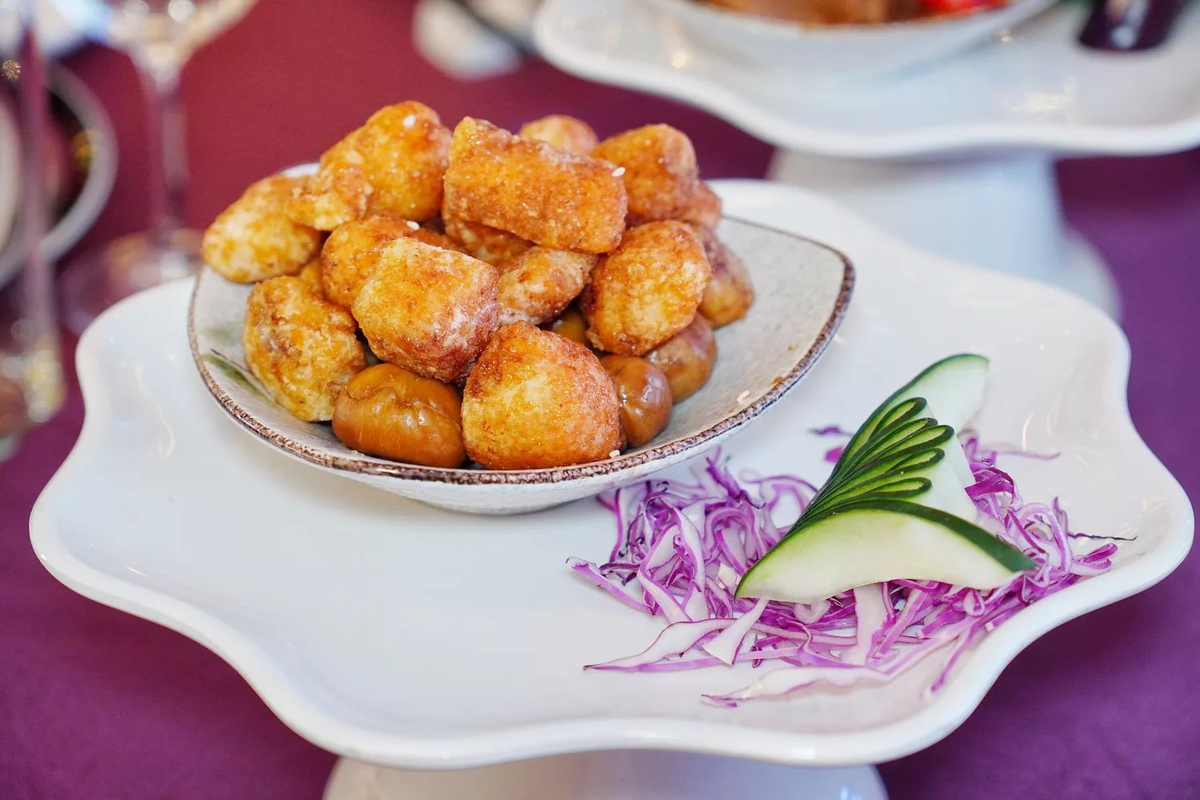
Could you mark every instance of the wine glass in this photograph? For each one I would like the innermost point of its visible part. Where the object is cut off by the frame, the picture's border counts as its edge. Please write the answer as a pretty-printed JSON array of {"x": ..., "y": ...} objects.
[{"x": 159, "y": 36}]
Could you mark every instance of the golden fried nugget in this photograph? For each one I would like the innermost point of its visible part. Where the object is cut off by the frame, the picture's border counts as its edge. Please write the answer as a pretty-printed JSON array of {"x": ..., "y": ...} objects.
[
  {"x": 254, "y": 239},
  {"x": 660, "y": 171},
  {"x": 311, "y": 274},
  {"x": 567, "y": 133},
  {"x": 705, "y": 208},
  {"x": 729, "y": 293},
  {"x": 647, "y": 290},
  {"x": 393, "y": 164},
  {"x": 536, "y": 285},
  {"x": 427, "y": 309},
  {"x": 537, "y": 399},
  {"x": 301, "y": 348},
  {"x": 352, "y": 251},
  {"x": 533, "y": 189},
  {"x": 483, "y": 241}
]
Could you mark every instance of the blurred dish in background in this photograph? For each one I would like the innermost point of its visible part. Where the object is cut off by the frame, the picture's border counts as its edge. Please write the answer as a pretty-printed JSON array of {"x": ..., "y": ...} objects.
[
  {"x": 81, "y": 167},
  {"x": 9, "y": 164},
  {"x": 473, "y": 39},
  {"x": 55, "y": 35},
  {"x": 836, "y": 40}
]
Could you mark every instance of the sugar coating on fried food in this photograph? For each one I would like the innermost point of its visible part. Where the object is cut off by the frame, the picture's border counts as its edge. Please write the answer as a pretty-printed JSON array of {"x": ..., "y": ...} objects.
[
  {"x": 704, "y": 209},
  {"x": 483, "y": 241},
  {"x": 302, "y": 349},
  {"x": 729, "y": 293},
  {"x": 568, "y": 133},
  {"x": 428, "y": 309},
  {"x": 254, "y": 239},
  {"x": 539, "y": 283},
  {"x": 310, "y": 273},
  {"x": 647, "y": 290},
  {"x": 533, "y": 189},
  {"x": 351, "y": 252},
  {"x": 393, "y": 164},
  {"x": 658, "y": 165},
  {"x": 536, "y": 399}
]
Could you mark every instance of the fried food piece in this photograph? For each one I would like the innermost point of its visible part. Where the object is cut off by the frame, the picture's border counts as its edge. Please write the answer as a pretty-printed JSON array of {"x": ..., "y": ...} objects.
[
  {"x": 567, "y": 133},
  {"x": 483, "y": 241},
  {"x": 310, "y": 273},
  {"x": 570, "y": 324},
  {"x": 426, "y": 309},
  {"x": 533, "y": 189},
  {"x": 704, "y": 209},
  {"x": 729, "y": 293},
  {"x": 390, "y": 412},
  {"x": 351, "y": 252},
  {"x": 686, "y": 358},
  {"x": 393, "y": 164},
  {"x": 301, "y": 348},
  {"x": 647, "y": 290},
  {"x": 254, "y": 239},
  {"x": 644, "y": 395},
  {"x": 661, "y": 176},
  {"x": 536, "y": 285},
  {"x": 536, "y": 399}
]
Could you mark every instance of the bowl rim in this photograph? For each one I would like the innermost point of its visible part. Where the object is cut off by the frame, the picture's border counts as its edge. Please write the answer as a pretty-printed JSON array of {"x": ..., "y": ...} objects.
[
  {"x": 791, "y": 30},
  {"x": 366, "y": 465}
]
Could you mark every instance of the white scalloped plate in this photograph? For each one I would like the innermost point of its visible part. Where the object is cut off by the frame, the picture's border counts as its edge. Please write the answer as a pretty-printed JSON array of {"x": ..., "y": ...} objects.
[
  {"x": 1031, "y": 87},
  {"x": 403, "y": 635}
]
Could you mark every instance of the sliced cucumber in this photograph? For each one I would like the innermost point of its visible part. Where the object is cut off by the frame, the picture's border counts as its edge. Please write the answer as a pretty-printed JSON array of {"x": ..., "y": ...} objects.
[
  {"x": 896, "y": 504},
  {"x": 878, "y": 541}
]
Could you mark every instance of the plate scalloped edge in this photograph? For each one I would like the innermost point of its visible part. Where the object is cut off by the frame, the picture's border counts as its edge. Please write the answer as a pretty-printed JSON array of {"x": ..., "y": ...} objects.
[{"x": 952, "y": 705}]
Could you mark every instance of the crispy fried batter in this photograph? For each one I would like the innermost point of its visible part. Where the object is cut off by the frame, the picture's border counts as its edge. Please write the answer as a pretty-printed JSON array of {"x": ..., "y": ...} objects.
[
  {"x": 705, "y": 208},
  {"x": 729, "y": 293},
  {"x": 311, "y": 274},
  {"x": 352, "y": 251},
  {"x": 532, "y": 189},
  {"x": 426, "y": 309},
  {"x": 660, "y": 174},
  {"x": 536, "y": 399},
  {"x": 647, "y": 290},
  {"x": 567, "y": 133},
  {"x": 393, "y": 164},
  {"x": 301, "y": 348},
  {"x": 254, "y": 239},
  {"x": 483, "y": 241},
  {"x": 536, "y": 285}
]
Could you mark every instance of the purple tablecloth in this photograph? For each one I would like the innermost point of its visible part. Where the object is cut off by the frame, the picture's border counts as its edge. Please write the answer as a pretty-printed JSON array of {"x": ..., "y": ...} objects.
[{"x": 97, "y": 704}]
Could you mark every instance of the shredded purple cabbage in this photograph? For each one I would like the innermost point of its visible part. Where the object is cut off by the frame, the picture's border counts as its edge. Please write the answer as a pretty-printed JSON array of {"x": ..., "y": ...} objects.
[{"x": 682, "y": 548}]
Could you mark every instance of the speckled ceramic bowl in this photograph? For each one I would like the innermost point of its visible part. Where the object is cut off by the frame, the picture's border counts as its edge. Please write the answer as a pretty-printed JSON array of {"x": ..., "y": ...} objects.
[{"x": 803, "y": 289}]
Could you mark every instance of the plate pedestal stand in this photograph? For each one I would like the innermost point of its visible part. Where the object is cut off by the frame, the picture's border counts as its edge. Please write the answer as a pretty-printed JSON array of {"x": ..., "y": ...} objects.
[
  {"x": 609, "y": 775},
  {"x": 997, "y": 211}
]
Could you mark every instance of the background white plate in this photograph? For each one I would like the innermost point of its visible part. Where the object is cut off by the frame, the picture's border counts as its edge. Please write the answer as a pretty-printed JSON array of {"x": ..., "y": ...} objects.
[
  {"x": 402, "y": 635},
  {"x": 1036, "y": 87}
]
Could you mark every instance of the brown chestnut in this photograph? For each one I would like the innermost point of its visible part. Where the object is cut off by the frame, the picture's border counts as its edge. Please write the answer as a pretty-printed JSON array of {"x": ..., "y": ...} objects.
[
  {"x": 570, "y": 324},
  {"x": 644, "y": 395},
  {"x": 390, "y": 412},
  {"x": 686, "y": 358}
]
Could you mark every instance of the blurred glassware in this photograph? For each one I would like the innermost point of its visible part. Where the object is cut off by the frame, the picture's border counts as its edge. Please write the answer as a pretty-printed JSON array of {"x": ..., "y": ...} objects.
[
  {"x": 31, "y": 379},
  {"x": 159, "y": 36}
]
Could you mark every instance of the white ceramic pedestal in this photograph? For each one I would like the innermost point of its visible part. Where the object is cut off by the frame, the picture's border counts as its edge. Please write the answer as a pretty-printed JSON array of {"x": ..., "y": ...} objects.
[
  {"x": 613, "y": 775},
  {"x": 1000, "y": 212}
]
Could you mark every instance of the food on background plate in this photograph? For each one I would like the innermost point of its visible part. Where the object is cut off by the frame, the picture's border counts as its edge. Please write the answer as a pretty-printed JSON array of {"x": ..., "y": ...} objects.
[
  {"x": 438, "y": 252},
  {"x": 853, "y": 12},
  {"x": 869, "y": 600}
]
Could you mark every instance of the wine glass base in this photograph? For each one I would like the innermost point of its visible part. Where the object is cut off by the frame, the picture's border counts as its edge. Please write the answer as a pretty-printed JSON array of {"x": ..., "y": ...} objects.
[
  {"x": 99, "y": 278},
  {"x": 612, "y": 775}
]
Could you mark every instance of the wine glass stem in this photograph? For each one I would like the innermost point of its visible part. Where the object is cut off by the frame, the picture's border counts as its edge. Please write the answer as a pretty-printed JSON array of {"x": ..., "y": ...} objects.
[{"x": 165, "y": 140}]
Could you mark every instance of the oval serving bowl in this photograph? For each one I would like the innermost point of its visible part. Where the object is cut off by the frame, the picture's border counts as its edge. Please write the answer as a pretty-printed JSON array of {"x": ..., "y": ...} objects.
[
  {"x": 802, "y": 288},
  {"x": 832, "y": 52}
]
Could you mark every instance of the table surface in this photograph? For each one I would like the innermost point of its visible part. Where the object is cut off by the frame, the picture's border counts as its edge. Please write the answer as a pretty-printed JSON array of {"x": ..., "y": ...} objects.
[{"x": 95, "y": 703}]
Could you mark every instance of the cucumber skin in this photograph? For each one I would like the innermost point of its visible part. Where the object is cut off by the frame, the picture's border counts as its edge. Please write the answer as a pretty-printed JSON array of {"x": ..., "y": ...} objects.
[{"x": 995, "y": 548}]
